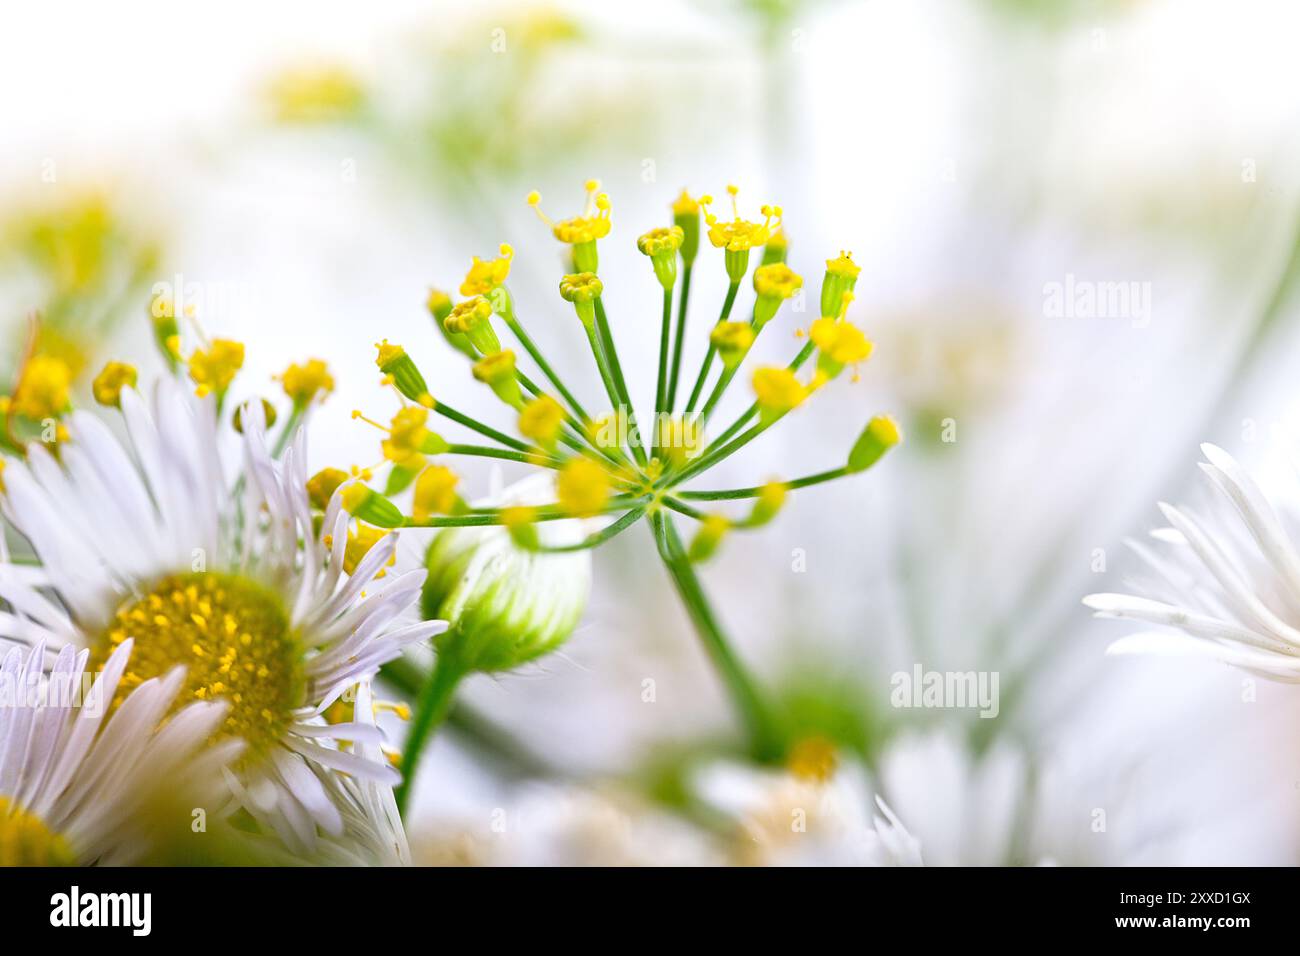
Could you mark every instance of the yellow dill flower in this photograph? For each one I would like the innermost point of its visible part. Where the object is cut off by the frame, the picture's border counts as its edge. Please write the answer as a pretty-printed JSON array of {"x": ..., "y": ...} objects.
[
  {"x": 881, "y": 434},
  {"x": 439, "y": 303},
  {"x": 498, "y": 371},
  {"x": 740, "y": 235},
  {"x": 473, "y": 319},
  {"x": 685, "y": 205},
  {"x": 303, "y": 383},
  {"x": 840, "y": 343},
  {"x": 435, "y": 492},
  {"x": 777, "y": 281},
  {"x": 322, "y": 485},
  {"x": 778, "y": 391},
  {"x": 541, "y": 420},
  {"x": 359, "y": 544},
  {"x": 406, "y": 436},
  {"x": 519, "y": 521},
  {"x": 315, "y": 93},
  {"x": 108, "y": 384},
  {"x": 582, "y": 231},
  {"x": 483, "y": 277},
  {"x": 712, "y": 530},
  {"x": 686, "y": 215},
  {"x": 583, "y": 488},
  {"x": 43, "y": 388},
  {"x": 582, "y": 289},
  {"x": 401, "y": 371},
  {"x": 680, "y": 439},
  {"x": 771, "y": 498},
  {"x": 593, "y": 224},
  {"x": 213, "y": 369},
  {"x": 732, "y": 340},
  {"x": 841, "y": 278},
  {"x": 665, "y": 239},
  {"x": 662, "y": 245}
]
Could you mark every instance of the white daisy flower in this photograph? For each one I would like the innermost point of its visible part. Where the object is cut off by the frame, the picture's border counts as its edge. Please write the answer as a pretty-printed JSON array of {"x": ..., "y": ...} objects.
[
  {"x": 152, "y": 541},
  {"x": 1223, "y": 583},
  {"x": 798, "y": 818},
  {"x": 77, "y": 774}
]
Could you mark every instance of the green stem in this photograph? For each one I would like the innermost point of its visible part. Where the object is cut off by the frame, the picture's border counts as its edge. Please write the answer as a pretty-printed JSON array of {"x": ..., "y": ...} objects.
[
  {"x": 661, "y": 386},
  {"x": 531, "y": 348},
  {"x": 727, "y": 303},
  {"x": 679, "y": 337},
  {"x": 793, "y": 485},
  {"x": 600, "y": 537},
  {"x": 804, "y": 354},
  {"x": 616, "y": 371},
  {"x": 446, "y": 411},
  {"x": 432, "y": 708},
  {"x": 473, "y": 728},
  {"x": 505, "y": 454},
  {"x": 286, "y": 433},
  {"x": 764, "y": 736}
]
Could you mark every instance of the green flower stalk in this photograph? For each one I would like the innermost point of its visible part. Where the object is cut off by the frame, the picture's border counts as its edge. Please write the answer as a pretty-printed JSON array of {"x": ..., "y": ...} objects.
[
  {"x": 500, "y": 585},
  {"x": 506, "y": 605}
]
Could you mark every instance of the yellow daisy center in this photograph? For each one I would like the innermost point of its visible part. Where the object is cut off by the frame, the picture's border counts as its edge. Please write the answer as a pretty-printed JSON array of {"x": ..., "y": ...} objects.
[
  {"x": 235, "y": 641},
  {"x": 25, "y": 840}
]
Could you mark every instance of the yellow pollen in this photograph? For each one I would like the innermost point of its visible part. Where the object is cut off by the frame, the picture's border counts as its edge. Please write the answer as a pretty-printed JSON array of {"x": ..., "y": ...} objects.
[
  {"x": 213, "y": 369},
  {"x": 812, "y": 759},
  {"x": 302, "y": 383},
  {"x": 108, "y": 384},
  {"x": 25, "y": 840},
  {"x": 254, "y": 660},
  {"x": 43, "y": 388}
]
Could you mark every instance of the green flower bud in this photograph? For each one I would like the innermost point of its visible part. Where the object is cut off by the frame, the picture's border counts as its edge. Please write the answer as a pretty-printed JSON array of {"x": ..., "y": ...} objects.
[
  {"x": 686, "y": 216},
  {"x": 506, "y": 605},
  {"x": 880, "y": 435},
  {"x": 393, "y": 360},
  {"x": 841, "y": 277},
  {"x": 371, "y": 507}
]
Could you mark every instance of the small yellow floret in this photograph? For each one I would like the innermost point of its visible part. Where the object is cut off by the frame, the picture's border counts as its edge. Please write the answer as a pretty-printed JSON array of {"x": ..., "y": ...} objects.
[
  {"x": 583, "y": 488},
  {"x": 406, "y": 435},
  {"x": 842, "y": 342},
  {"x": 322, "y": 485},
  {"x": 740, "y": 234},
  {"x": 465, "y": 315},
  {"x": 43, "y": 388},
  {"x": 843, "y": 266},
  {"x": 495, "y": 368},
  {"x": 593, "y": 224},
  {"x": 108, "y": 384},
  {"x": 665, "y": 240},
  {"x": 541, "y": 420},
  {"x": 483, "y": 277},
  {"x": 778, "y": 390},
  {"x": 214, "y": 369},
  {"x": 435, "y": 492},
  {"x": 303, "y": 383},
  {"x": 777, "y": 281},
  {"x": 388, "y": 354}
]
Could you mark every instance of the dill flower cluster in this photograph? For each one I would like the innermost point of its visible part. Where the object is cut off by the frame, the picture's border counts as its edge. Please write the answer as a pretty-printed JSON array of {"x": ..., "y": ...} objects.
[{"x": 612, "y": 465}]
